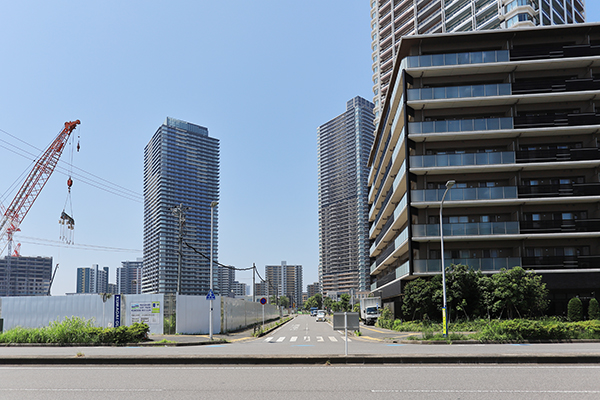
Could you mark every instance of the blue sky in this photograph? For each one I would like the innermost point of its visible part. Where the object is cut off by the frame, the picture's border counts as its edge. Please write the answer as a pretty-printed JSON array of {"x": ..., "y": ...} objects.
[{"x": 260, "y": 75}]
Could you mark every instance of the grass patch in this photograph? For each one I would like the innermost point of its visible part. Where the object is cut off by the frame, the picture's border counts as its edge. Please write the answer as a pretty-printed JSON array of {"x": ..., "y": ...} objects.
[
  {"x": 260, "y": 331},
  {"x": 76, "y": 330}
]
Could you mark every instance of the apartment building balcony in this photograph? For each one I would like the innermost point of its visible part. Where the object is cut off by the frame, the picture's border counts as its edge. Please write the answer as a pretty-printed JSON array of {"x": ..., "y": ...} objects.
[
  {"x": 550, "y": 155},
  {"x": 438, "y": 60},
  {"x": 462, "y": 159},
  {"x": 395, "y": 221},
  {"x": 549, "y": 85},
  {"x": 556, "y": 226},
  {"x": 465, "y": 194},
  {"x": 460, "y": 125},
  {"x": 433, "y": 266},
  {"x": 396, "y": 248},
  {"x": 397, "y": 273},
  {"x": 466, "y": 229},
  {"x": 555, "y": 120},
  {"x": 550, "y": 262},
  {"x": 458, "y": 92},
  {"x": 559, "y": 190}
]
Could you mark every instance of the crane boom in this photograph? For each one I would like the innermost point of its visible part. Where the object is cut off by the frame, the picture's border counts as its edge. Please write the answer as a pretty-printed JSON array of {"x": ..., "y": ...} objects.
[{"x": 33, "y": 185}]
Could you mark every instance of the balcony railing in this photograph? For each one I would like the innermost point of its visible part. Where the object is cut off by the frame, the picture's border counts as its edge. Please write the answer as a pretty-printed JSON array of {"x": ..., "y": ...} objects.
[
  {"x": 461, "y": 194},
  {"x": 476, "y": 57},
  {"x": 562, "y": 262},
  {"x": 558, "y": 190},
  {"x": 392, "y": 276},
  {"x": 396, "y": 243},
  {"x": 454, "y": 92},
  {"x": 460, "y": 125},
  {"x": 468, "y": 229},
  {"x": 527, "y": 156},
  {"x": 568, "y": 225},
  {"x": 483, "y": 264},
  {"x": 558, "y": 119},
  {"x": 464, "y": 159}
]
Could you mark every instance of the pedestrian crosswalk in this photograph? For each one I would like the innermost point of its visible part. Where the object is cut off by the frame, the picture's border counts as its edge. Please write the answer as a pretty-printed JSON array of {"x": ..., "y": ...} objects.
[{"x": 297, "y": 339}]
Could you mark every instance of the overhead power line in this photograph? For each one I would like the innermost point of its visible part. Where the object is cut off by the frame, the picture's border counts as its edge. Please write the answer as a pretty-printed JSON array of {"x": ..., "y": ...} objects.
[
  {"x": 56, "y": 243},
  {"x": 65, "y": 167}
]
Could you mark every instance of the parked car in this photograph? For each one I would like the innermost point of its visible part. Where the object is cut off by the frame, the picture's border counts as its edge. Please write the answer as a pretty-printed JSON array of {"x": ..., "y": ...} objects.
[{"x": 321, "y": 316}]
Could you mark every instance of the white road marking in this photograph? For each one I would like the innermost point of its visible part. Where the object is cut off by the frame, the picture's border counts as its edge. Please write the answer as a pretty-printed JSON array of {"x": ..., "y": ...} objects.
[
  {"x": 333, "y": 338},
  {"x": 281, "y": 339},
  {"x": 293, "y": 338}
]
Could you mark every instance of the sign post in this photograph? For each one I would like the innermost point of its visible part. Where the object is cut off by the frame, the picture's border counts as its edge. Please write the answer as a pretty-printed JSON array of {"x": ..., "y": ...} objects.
[
  {"x": 346, "y": 320},
  {"x": 263, "y": 301}
]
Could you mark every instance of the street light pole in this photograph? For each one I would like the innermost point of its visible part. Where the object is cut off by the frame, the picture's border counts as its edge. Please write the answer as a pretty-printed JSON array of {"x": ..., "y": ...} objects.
[
  {"x": 210, "y": 322},
  {"x": 449, "y": 184}
]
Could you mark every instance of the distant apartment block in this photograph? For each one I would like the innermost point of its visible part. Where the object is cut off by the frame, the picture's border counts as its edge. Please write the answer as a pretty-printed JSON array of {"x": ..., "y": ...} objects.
[
  {"x": 343, "y": 146},
  {"x": 92, "y": 280},
  {"x": 129, "y": 277},
  {"x": 28, "y": 276},
  {"x": 285, "y": 280},
  {"x": 312, "y": 289}
]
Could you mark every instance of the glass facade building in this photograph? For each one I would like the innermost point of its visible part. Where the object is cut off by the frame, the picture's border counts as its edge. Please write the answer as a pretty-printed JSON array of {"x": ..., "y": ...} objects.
[
  {"x": 181, "y": 167},
  {"x": 343, "y": 146},
  {"x": 522, "y": 146},
  {"x": 393, "y": 19}
]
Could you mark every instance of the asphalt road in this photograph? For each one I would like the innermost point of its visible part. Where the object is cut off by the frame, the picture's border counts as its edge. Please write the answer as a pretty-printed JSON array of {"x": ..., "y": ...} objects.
[{"x": 294, "y": 382}]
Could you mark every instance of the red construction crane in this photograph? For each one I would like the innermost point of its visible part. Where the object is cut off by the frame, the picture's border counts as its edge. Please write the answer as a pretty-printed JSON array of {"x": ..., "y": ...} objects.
[{"x": 33, "y": 185}]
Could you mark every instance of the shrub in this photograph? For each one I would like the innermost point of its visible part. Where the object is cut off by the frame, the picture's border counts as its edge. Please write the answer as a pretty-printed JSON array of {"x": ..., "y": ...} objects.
[
  {"x": 575, "y": 309},
  {"x": 76, "y": 330},
  {"x": 594, "y": 309}
]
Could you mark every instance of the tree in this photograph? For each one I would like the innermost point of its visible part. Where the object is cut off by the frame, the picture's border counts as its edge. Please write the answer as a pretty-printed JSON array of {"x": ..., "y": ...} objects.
[
  {"x": 344, "y": 302},
  {"x": 575, "y": 309},
  {"x": 418, "y": 299},
  {"x": 518, "y": 293},
  {"x": 284, "y": 301},
  {"x": 314, "y": 301},
  {"x": 328, "y": 303},
  {"x": 462, "y": 287},
  {"x": 594, "y": 309}
]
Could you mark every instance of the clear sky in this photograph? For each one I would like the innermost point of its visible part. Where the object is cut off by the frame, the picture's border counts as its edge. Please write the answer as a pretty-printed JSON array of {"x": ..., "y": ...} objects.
[{"x": 260, "y": 75}]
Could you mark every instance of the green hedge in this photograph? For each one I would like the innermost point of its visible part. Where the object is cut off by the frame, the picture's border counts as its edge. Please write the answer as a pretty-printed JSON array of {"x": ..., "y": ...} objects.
[
  {"x": 76, "y": 330},
  {"x": 521, "y": 329}
]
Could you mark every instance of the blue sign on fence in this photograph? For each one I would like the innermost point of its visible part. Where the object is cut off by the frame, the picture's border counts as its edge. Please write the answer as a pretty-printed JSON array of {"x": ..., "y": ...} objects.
[{"x": 117, "y": 310}]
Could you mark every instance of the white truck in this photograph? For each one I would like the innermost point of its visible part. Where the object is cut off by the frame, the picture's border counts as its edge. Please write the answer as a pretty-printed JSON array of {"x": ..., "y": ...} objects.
[{"x": 369, "y": 309}]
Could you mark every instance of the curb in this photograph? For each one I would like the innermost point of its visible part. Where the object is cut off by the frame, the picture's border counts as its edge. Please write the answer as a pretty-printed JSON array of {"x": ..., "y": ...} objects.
[{"x": 306, "y": 360}]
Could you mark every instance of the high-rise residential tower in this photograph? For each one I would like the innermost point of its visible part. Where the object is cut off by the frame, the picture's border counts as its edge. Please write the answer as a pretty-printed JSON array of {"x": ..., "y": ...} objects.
[
  {"x": 343, "y": 146},
  {"x": 393, "y": 19},
  {"x": 490, "y": 138},
  {"x": 181, "y": 180}
]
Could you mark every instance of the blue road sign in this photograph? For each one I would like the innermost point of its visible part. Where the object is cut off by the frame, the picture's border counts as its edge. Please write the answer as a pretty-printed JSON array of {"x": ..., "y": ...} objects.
[{"x": 210, "y": 295}]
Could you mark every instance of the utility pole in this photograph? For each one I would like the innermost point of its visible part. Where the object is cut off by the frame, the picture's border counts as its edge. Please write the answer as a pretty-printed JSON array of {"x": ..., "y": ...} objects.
[
  {"x": 253, "y": 283},
  {"x": 179, "y": 213}
]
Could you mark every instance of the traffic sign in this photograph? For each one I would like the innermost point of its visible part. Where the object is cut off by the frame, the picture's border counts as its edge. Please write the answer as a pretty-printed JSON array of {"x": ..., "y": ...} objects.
[
  {"x": 210, "y": 295},
  {"x": 263, "y": 301}
]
